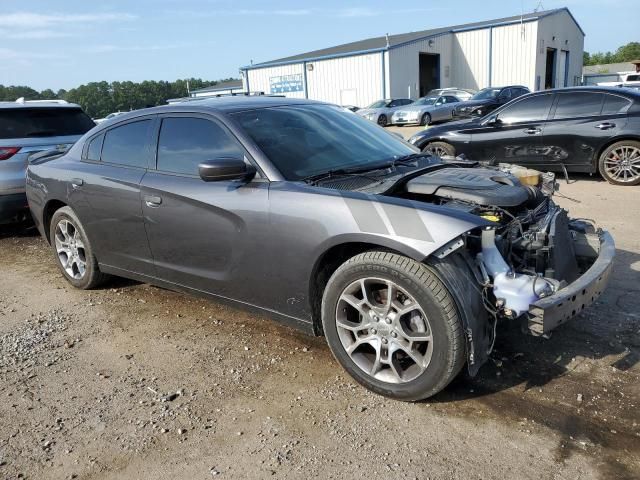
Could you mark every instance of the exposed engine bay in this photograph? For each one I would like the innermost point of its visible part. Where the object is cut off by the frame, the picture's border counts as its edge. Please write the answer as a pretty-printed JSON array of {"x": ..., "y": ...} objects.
[{"x": 532, "y": 251}]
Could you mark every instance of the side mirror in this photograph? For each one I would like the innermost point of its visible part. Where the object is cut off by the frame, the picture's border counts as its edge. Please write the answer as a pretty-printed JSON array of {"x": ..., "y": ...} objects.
[
  {"x": 494, "y": 120},
  {"x": 225, "y": 169}
]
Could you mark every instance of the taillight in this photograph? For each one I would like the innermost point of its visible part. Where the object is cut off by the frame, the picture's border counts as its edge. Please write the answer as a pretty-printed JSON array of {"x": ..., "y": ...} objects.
[{"x": 8, "y": 152}]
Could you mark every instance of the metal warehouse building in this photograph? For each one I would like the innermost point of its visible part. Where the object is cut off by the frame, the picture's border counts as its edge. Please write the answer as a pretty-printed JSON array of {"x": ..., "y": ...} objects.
[{"x": 539, "y": 50}]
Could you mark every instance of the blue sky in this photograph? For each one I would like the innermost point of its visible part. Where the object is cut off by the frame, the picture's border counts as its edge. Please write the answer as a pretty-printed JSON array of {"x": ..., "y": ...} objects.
[{"x": 64, "y": 43}]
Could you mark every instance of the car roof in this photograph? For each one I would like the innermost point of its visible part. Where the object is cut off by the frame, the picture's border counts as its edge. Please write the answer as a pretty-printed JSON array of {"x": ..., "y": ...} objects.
[
  {"x": 38, "y": 104},
  {"x": 588, "y": 88},
  {"x": 228, "y": 104}
]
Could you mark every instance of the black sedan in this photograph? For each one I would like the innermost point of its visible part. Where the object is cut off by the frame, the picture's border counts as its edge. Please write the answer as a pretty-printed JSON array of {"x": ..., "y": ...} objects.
[
  {"x": 487, "y": 100},
  {"x": 322, "y": 219},
  {"x": 582, "y": 129}
]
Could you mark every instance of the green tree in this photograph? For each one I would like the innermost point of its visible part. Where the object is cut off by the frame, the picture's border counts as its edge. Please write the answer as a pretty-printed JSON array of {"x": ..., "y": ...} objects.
[{"x": 625, "y": 53}]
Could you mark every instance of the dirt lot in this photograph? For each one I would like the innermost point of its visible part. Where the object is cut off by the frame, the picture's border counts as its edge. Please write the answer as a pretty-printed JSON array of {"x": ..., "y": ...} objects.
[{"x": 132, "y": 381}]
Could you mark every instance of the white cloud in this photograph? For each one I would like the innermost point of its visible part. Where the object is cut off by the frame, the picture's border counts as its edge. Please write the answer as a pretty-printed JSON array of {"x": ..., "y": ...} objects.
[
  {"x": 33, "y": 34},
  {"x": 37, "y": 20}
]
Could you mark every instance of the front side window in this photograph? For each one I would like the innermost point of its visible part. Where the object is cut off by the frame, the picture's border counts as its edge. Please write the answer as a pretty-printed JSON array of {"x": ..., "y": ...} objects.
[
  {"x": 186, "y": 142},
  {"x": 528, "y": 110},
  {"x": 578, "y": 104},
  {"x": 127, "y": 144},
  {"x": 450, "y": 99},
  {"x": 307, "y": 140}
]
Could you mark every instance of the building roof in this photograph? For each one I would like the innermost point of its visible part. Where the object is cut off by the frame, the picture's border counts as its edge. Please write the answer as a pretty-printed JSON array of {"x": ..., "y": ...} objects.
[
  {"x": 229, "y": 84},
  {"x": 608, "y": 68},
  {"x": 393, "y": 41}
]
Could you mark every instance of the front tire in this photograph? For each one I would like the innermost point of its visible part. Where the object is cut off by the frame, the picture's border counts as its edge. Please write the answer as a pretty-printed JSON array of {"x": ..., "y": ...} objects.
[
  {"x": 393, "y": 325},
  {"x": 439, "y": 149},
  {"x": 382, "y": 120},
  {"x": 425, "y": 120},
  {"x": 73, "y": 252},
  {"x": 619, "y": 164}
]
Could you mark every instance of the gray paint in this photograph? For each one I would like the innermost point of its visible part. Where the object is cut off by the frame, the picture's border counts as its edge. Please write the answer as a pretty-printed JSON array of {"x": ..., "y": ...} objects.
[{"x": 254, "y": 243}]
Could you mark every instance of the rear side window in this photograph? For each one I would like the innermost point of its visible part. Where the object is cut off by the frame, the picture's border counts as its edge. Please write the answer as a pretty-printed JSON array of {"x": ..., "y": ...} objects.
[
  {"x": 530, "y": 109},
  {"x": 186, "y": 142},
  {"x": 95, "y": 148},
  {"x": 579, "y": 104},
  {"x": 43, "y": 122},
  {"x": 614, "y": 104},
  {"x": 127, "y": 144}
]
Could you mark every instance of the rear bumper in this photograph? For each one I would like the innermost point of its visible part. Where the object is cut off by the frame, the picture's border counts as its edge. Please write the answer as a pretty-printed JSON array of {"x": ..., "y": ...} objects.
[
  {"x": 12, "y": 207},
  {"x": 547, "y": 313}
]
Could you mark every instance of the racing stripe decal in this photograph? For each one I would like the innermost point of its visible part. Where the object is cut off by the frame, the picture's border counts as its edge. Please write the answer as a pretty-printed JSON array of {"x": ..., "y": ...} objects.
[
  {"x": 407, "y": 222},
  {"x": 385, "y": 219},
  {"x": 366, "y": 216}
]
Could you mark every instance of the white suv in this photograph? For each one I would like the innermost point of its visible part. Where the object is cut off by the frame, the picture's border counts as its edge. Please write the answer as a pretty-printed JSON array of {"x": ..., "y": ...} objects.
[{"x": 27, "y": 127}]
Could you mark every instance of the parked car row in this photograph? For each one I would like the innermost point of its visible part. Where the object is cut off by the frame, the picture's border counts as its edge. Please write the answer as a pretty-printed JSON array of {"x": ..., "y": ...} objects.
[{"x": 439, "y": 105}]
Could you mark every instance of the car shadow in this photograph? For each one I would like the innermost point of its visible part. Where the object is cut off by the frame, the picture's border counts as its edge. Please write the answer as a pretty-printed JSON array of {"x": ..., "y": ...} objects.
[
  {"x": 18, "y": 230},
  {"x": 607, "y": 329}
]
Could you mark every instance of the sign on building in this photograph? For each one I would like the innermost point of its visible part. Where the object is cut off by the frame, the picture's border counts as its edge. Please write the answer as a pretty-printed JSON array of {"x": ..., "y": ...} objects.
[{"x": 286, "y": 83}]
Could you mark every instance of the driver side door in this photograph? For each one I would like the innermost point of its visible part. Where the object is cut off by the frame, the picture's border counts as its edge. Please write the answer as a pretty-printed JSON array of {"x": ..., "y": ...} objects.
[
  {"x": 203, "y": 235},
  {"x": 516, "y": 135}
]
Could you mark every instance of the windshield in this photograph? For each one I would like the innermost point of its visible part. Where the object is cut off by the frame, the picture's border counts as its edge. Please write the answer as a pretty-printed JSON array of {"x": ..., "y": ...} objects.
[
  {"x": 426, "y": 101},
  {"x": 379, "y": 104},
  {"x": 486, "y": 94},
  {"x": 43, "y": 122},
  {"x": 305, "y": 140}
]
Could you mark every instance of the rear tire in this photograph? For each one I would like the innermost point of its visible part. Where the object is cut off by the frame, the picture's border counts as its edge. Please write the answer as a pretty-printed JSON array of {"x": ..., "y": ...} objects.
[
  {"x": 425, "y": 120},
  {"x": 412, "y": 351},
  {"x": 439, "y": 149},
  {"x": 72, "y": 249},
  {"x": 382, "y": 120},
  {"x": 619, "y": 164}
]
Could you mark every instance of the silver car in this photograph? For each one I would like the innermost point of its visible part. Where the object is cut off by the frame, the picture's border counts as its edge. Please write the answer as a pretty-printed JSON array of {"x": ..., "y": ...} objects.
[
  {"x": 27, "y": 127},
  {"x": 463, "y": 94},
  {"x": 426, "y": 110},
  {"x": 381, "y": 111}
]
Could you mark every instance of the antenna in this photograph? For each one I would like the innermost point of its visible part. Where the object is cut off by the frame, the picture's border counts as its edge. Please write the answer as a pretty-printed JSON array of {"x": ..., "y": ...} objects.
[
  {"x": 386, "y": 35},
  {"x": 540, "y": 7}
]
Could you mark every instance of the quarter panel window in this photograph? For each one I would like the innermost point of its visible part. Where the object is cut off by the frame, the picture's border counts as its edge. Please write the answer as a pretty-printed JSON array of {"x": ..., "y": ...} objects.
[
  {"x": 530, "y": 109},
  {"x": 95, "y": 148},
  {"x": 578, "y": 104},
  {"x": 614, "y": 104},
  {"x": 186, "y": 142},
  {"x": 127, "y": 144}
]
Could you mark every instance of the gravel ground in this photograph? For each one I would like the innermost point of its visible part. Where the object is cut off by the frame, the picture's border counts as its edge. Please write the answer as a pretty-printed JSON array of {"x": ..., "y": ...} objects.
[{"x": 132, "y": 381}]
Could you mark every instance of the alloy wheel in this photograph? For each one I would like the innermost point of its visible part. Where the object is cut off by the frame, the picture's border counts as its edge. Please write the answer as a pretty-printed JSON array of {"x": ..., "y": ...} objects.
[
  {"x": 384, "y": 330},
  {"x": 70, "y": 248},
  {"x": 623, "y": 164},
  {"x": 436, "y": 151}
]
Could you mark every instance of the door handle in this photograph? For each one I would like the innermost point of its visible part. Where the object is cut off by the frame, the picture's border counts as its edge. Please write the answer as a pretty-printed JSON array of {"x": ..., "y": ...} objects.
[
  {"x": 77, "y": 182},
  {"x": 606, "y": 126},
  {"x": 532, "y": 131},
  {"x": 152, "y": 201}
]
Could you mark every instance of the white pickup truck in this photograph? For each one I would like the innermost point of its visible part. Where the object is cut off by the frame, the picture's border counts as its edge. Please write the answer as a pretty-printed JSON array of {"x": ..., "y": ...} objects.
[{"x": 631, "y": 79}]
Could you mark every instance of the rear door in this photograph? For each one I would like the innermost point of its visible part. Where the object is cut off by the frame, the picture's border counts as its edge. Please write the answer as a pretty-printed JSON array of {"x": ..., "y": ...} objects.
[
  {"x": 105, "y": 192},
  {"x": 581, "y": 123},
  {"x": 516, "y": 137},
  {"x": 204, "y": 235}
]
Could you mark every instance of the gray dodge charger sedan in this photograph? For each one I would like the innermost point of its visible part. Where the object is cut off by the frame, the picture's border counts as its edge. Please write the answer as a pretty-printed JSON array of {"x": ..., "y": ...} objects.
[{"x": 308, "y": 213}]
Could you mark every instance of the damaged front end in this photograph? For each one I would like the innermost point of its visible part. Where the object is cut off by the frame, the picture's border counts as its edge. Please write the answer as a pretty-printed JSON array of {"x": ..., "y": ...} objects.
[{"x": 534, "y": 263}]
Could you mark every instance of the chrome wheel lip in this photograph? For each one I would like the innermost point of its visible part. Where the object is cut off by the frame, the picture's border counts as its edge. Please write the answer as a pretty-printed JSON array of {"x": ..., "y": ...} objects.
[
  {"x": 70, "y": 249},
  {"x": 622, "y": 164},
  {"x": 383, "y": 343}
]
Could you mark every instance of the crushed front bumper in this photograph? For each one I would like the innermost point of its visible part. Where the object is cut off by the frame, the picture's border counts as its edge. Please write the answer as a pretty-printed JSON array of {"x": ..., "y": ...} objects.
[{"x": 549, "y": 312}]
